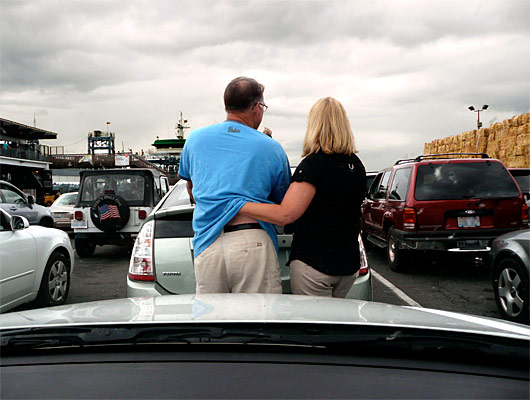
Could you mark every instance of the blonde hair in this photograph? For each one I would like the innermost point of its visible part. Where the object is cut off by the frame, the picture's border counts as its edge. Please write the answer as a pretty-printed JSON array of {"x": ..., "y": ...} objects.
[{"x": 328, "y": 129}]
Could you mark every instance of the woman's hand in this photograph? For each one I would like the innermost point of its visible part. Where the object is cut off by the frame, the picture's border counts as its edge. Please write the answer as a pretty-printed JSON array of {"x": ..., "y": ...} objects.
[{"x": 294, "y": 204}]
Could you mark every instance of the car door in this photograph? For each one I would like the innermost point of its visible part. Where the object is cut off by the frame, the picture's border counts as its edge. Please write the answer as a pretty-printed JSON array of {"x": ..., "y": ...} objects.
[
  {"x": 375, "y": 203},
  {"x": 18, "y": 264},
  {"x": 16, "y": 204}
]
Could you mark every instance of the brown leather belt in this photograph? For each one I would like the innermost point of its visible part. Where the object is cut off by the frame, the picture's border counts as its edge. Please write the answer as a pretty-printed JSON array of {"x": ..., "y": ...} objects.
[{"x": 240, "y": 227}]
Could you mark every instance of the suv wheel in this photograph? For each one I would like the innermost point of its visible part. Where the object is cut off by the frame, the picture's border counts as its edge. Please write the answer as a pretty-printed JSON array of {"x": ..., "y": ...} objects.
[
  {"x": 55, "y": 283},
  {"x": 510, "y": 284},
  {"x": 396, "y": 257},
  {"x": 84, "y": 248}
]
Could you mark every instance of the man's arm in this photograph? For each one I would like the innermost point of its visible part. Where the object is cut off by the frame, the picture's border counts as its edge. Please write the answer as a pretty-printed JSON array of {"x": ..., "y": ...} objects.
[{"x": 189, "y": 187}]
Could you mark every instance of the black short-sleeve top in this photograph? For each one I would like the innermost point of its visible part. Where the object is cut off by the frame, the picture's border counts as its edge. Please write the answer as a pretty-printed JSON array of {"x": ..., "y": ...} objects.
[{"x": 326, "y": 235}]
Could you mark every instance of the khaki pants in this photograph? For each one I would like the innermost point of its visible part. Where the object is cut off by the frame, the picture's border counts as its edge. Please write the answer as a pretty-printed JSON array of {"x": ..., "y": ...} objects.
[
  {"x": 244, "y": 261},
  {"x": 307, "y": 280}
]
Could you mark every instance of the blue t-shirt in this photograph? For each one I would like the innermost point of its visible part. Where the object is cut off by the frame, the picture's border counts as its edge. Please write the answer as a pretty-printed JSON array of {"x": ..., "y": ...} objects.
[{"x": 231, "y": 164}]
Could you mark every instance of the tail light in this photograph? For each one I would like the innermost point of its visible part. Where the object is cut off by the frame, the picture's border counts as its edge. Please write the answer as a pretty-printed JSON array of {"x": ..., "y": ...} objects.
[
  {"x": 524, "y": 213},
  {"x": 141, "y": 264},
  {"x": 409, "y": 218},
  {"x": 364, "y": 260},
  {"x": 78, "y": 215},
  {"x": 142, "y": 214}
]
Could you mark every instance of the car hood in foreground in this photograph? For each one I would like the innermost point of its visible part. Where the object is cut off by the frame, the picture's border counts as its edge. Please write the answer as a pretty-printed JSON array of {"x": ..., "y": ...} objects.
[{"x": 241, "y": 308}]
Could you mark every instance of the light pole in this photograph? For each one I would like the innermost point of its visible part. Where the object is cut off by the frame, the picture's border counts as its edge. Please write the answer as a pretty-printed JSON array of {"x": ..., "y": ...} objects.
[{"x": 479, "y": 124}]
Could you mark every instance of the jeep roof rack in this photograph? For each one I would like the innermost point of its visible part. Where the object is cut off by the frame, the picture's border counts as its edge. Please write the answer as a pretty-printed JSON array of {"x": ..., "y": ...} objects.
[{"x": 446, "y": 155}]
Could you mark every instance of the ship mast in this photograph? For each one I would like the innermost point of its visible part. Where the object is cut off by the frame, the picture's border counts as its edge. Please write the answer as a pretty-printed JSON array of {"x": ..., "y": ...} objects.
[{"x": 179, "y": 128}]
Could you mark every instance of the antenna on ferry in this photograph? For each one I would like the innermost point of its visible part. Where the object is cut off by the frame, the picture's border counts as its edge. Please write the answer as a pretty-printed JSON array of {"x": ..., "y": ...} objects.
[{"x": 180, "y": 127}]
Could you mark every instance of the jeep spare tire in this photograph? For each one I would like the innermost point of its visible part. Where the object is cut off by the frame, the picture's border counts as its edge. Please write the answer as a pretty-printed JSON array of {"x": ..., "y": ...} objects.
[{"x": 109, "y": 213}]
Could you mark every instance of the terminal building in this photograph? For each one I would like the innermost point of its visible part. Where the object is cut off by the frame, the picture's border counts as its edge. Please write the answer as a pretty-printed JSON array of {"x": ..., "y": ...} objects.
[{"x": 25, "y": 162}]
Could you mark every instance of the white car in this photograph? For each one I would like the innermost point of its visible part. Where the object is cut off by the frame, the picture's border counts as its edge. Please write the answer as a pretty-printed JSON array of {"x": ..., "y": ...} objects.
[
  {"x": 36, "y": 263},
  {"x": 62, "y": 210}
]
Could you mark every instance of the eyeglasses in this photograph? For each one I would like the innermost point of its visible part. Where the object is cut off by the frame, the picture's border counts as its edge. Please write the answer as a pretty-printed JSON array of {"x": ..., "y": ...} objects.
[{"x": 265, "y": 106}]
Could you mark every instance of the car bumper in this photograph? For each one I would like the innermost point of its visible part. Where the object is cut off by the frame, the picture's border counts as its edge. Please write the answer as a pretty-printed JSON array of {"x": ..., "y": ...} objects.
[
  {"x": 64, "y": 224},
  {"x": 470, "y": 241},
  {"x": 361, "y": 289},
  {"x": 102, "y": 238}
]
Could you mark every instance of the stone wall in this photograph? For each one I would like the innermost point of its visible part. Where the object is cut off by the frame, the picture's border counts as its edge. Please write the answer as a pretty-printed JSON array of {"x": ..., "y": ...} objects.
[{"x": 508, "y": 141}]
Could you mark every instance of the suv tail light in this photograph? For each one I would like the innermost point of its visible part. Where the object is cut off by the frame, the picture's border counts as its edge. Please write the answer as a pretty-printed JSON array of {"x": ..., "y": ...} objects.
[
  {"x": 78, "y": 215},
  {"x": 524, "y": 213},
  {"x": 141, "y": 264},
  {"x": 409, "y": 218},
  {"x": 142, "y": 214}
]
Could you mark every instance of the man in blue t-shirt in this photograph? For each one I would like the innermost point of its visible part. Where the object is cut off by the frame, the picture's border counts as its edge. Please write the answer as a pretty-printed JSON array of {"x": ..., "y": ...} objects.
[{"x": 225, "y": 166}]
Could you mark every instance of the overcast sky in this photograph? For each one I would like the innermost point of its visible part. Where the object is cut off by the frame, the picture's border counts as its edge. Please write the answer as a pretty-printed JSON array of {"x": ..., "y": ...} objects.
[{"x": 406, "y": 71}]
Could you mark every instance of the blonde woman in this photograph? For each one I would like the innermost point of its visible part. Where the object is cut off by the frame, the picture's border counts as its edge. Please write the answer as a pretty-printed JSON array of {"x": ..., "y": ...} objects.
[{"x": 324, "y": 199}]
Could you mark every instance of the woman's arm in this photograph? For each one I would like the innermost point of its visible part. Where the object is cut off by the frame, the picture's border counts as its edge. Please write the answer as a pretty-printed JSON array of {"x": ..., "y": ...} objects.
[{"x": 294, "y": 204}]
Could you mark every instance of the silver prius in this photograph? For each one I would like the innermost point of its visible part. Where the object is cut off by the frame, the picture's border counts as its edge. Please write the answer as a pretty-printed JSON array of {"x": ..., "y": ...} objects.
[{"x": 162, "y": 257}]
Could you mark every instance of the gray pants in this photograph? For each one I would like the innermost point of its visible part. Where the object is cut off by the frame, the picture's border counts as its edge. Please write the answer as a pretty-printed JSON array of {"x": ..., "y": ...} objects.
[{"x": 244, "y": 261}]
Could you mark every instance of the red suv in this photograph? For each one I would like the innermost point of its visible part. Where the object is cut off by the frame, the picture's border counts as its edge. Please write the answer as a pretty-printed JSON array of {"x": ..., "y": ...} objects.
[{"x": 441, "y": 203}]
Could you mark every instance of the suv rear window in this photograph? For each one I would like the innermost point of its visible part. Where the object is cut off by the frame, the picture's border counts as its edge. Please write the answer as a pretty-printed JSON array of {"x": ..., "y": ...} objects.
[
  {"x": 472, "y": 180},
  {"x": 130, "y": 187}
]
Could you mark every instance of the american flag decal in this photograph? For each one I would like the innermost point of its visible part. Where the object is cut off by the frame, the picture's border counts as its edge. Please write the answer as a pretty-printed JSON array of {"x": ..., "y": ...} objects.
[{"x": 108, "y": 211}]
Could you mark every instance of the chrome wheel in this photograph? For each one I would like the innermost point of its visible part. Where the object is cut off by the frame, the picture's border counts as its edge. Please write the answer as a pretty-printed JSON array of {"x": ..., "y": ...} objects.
[
  {"x": 58, "y": 281},
  {"x": 508, "y": 289}
]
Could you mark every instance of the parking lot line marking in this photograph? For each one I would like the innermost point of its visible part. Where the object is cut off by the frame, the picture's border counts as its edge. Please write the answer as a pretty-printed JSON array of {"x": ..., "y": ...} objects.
[{"x": 398, "y": 292}]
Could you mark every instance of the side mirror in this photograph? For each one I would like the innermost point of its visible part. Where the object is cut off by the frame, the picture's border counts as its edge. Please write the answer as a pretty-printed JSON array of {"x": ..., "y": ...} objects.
[
  {"x": 31, "y": 200},
  {"x": 18, "y": 222}
]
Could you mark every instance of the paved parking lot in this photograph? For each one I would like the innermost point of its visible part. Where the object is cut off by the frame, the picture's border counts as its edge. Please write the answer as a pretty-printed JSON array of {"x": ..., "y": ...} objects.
[{"x": 434, "y": 283}]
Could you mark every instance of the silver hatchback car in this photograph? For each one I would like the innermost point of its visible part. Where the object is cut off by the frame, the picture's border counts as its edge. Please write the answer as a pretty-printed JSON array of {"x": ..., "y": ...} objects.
[
  {"x": 15, "y": 202},
  {"x": 162, "y": 258}
]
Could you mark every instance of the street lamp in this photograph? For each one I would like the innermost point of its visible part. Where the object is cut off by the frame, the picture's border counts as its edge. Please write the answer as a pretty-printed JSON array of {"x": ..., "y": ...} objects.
[
  {"x": 479, "y": 124},
  {"x": 484, "y": 107}
]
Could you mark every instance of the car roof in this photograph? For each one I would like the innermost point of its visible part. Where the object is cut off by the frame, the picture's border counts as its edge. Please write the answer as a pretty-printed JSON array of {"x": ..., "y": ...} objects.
[{"x": 115, "y": 171}]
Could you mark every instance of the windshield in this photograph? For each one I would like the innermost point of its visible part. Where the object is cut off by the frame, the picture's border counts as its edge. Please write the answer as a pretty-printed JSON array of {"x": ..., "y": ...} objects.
[
  {"x": 351, "y": 151},
  {"x": 130, "y": 187},
  {"x": 68, "y": 199},
  {"x": 478, "y": 180}
]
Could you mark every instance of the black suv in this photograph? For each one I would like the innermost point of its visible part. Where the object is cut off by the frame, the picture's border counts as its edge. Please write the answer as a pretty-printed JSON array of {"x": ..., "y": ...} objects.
[{"x": 441, "y": 203}]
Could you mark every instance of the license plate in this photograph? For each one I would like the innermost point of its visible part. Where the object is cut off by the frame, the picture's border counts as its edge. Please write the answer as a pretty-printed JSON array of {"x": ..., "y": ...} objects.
[
  {"x": 468, "y": 222},
  {"x": 79, "y": 224},
  {"x": 470, "y": 244},
  {"x": 61, "y": 215}
]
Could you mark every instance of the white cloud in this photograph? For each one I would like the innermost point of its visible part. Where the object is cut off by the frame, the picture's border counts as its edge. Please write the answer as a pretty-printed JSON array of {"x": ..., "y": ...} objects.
[{"x": 405, "y": 71}]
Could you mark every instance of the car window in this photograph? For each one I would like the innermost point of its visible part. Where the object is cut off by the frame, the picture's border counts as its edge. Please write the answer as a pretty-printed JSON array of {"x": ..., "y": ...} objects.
[
  {"x": 130, "y": 187},
  {"x": 400, "y": 184},
  {"x": 382, "y": 187},
  {"x": 12, "y": 197},
  {"x": 484, "y": 180},
  {"x": 178, "y": 196},
  {"x": 68, "y": 199},
  {"x": 5, "y": 221},
  {"x": 523, "y": 182},
  {"x": 164, "y": 185},
  {"x": 175, "y": 226}
]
